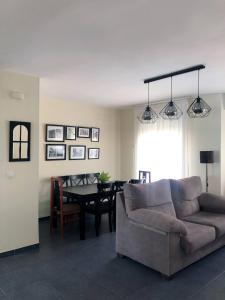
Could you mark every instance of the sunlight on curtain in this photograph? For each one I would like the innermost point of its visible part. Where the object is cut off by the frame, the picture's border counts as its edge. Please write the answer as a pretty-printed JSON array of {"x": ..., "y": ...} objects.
[{"x": 161, "y": 147}]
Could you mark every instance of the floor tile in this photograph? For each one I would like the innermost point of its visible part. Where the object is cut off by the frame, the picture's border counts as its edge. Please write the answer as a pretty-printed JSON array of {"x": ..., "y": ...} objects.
[
  {"x": 36, "y": 291},
  {"x": 215, "y": 290},
  {"x": 90, "y": 269}
]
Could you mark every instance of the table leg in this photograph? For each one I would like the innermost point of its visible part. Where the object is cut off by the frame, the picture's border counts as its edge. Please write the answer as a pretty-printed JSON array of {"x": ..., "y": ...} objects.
[{"x": 82, "y": 221}]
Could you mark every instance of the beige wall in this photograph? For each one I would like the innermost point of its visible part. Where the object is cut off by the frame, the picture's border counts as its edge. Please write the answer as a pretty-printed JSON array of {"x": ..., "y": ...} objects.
[
  {"x": 25, "y": 184},
  {"x": 203, "y": 134},
  {"x": 56, "y": 111},
  {"x": 127, "y": 143},
  {"x": 18, "y": 180}
]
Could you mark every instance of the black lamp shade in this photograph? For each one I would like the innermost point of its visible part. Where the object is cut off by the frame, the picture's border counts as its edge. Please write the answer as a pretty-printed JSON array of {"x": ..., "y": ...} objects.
[{"x": 206, "y": 157}]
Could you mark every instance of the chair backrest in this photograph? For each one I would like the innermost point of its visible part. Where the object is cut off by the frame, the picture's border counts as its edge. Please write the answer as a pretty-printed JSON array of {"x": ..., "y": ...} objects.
[
  {"x": 79, "y": 179},
  {"x": 145, "y": 175},
  {"x": 136, "y": 181},
  {"x": 118, "y": 185},
  {"x": 56, "y": 196},
  {"x": 106, "y": 193},
  {"x": 104, "y": 186},
  {"x": 65, "y": 180},
  {"x": 92, "y": 178}
]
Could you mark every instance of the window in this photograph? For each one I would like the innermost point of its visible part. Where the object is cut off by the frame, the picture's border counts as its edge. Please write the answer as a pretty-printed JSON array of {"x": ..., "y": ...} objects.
[{"x": 161, "y": 149}]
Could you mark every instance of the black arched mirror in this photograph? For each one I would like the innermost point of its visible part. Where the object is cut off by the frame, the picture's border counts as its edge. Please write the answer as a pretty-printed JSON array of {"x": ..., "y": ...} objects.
[{"x": 19, "y": 141}]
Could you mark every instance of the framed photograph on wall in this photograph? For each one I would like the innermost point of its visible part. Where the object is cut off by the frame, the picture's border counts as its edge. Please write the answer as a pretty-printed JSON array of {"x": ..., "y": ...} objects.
[
  {"x": 70, "y": 132},
  {"x": 83, "y": 132},
  {"x": 77, "y": 152},
  {"x": 145, "y": 176},
  {"x": 93, "y": 153},
  {"x": 55, "y": 152},
  {"x": 54, "y": 133},
  {"x": 95, "y": 132}
]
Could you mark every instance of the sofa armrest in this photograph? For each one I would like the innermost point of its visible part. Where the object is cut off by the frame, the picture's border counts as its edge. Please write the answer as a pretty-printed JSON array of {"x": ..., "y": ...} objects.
[
  {"x": 158, "y": 220},
  {"x": 212, "y": 203}
]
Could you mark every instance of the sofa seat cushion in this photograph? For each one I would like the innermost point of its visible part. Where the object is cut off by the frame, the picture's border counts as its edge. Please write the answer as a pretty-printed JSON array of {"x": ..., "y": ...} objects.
[
  {"x": 197, "y": 237},
  {"x": 155, "y": 196},
  {"x": 210, "y": 219}
]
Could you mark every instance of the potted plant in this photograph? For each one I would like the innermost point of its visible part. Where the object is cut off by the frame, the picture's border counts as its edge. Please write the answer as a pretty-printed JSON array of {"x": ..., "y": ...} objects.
[{"x": 103, "y": 177}]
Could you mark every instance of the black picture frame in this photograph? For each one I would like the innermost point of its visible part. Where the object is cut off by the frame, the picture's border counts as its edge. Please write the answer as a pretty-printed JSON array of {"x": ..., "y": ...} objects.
[
  {"x": 95, "y": 134},
  {"x": 68, "y": 135},
  {"x": 54, "y": 133},
  {"x": 145, "y": 176},
  {"x": 93, "y": 153},
  {"x": 19, "y": 141},
  {"x": 76, "y": 156},
  {"x": 83, "y": 135},
  {"x": 50, "y": 147}
]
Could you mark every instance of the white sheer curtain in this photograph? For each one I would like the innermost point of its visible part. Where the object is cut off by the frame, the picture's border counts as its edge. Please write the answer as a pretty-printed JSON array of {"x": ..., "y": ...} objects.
[{"x": 161, "y": 148}]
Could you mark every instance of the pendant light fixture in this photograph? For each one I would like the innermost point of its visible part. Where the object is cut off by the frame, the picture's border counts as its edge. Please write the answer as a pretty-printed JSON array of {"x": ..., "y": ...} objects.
[
  {"x": 171, "y": 111},
  {"x": 149, "y": 115},
  {"x": 199, "y": 108}
]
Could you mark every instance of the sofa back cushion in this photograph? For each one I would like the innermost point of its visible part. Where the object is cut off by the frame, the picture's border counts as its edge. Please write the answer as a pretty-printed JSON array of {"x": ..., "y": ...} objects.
[
  {"x": 185, "y": 193},
  {"x": 154, "y": 196}
]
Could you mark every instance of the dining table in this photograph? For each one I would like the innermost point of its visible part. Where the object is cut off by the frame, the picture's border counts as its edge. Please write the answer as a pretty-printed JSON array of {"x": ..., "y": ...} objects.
[{"x": 83, "y": 194}]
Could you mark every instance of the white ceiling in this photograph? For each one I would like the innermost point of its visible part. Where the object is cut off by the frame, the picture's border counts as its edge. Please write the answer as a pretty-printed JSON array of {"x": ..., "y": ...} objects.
[{"x": 99, "y": 51}]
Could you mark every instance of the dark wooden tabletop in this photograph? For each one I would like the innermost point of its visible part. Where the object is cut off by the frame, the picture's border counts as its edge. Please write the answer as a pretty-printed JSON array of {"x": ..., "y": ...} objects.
[{"x": 81, "y": 190}]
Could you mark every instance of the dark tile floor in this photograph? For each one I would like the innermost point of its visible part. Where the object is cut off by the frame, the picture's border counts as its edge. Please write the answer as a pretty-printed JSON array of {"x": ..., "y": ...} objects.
[{"x": 90, "y": 269}]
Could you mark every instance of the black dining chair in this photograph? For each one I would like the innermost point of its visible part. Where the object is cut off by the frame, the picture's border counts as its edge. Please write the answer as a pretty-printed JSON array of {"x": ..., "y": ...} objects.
[
  {"x": 92, "y": 178},
  {"x": 101, "y": 204},
  {"x": 79, "y": 179},
  {"x": 65, "y": 180},
  {"x": 118, "y": 186},
  {"x": 136, "y": 181}
]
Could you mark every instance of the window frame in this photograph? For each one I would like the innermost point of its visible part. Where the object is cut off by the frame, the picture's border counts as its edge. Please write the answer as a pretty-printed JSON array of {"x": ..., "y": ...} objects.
[{"x": 12, "y": 126}]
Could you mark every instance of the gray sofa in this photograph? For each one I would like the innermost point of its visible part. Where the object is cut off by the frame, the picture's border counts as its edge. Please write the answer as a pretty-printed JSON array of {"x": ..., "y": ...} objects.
[{"x": 169, "y": 224}]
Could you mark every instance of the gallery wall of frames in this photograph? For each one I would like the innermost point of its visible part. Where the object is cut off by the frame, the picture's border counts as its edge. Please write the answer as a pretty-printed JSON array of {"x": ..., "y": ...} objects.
[{"x": 56, "y": 149}]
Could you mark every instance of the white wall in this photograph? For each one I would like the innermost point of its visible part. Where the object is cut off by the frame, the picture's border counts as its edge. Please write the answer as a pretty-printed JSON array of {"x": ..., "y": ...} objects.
[
  {"x": 60, "y": 111},
  {"x": 223, "y": 145},
  {"x": 203, "y": 134},
  {"x": 19, "y": 194}
]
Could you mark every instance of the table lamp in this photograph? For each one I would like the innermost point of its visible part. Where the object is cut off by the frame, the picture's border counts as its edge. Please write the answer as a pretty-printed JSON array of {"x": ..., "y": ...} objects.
[{"x": 206, "y": 157}]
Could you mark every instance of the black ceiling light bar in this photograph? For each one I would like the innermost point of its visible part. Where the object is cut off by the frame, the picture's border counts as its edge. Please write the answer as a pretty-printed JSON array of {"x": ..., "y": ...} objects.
[
  {"x": 176, "y": 73},
  {"x": 198, "y": 109}
]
